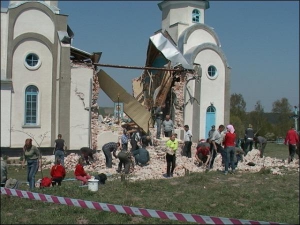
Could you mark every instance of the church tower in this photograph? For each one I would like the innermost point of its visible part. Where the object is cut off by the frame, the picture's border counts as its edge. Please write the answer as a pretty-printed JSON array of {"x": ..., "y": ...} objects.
[
  {"x": 50, "y": 3},
  {"x": 179, "y": 15},
  {"x": 199, "y": 43}
]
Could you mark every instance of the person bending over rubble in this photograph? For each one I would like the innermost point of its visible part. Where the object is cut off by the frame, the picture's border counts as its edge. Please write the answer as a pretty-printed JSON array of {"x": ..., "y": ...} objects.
[
  {"x": 146, "y": 141},
  {"x": 125, "y": 160},
  {"x": 203, "y": 153},
  {"x": 87, "y": 153},
  {"x": 108, "y": 149},
  {"x": 172, "y": 146},
  {"x": 141, "y": 156},
  {"x": 80, "y": 174},
  {"x": 135, "y": 140},
  {"x": 262, "y": 142}
]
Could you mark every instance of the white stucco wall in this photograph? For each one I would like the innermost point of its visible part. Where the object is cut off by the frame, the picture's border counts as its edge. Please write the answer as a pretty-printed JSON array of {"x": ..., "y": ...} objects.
[
  {"x": 183, "y": 15},
  {"x": 79, "y": 117},
  {"x": 22, "y": 78},
  {"x": 211, "y": 90},
  {"x": 188, "y": 110},
  {"x": 27, "y": 22},
  {"x": 5, "y": 114},
  {"x": 57, "y": 86},
  {"x": 4, "y": 36},
  {"x": 199, "y": 37}
]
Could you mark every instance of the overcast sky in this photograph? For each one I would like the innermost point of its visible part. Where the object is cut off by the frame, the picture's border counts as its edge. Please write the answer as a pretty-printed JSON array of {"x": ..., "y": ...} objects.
[{"x": 260, "y": 41}]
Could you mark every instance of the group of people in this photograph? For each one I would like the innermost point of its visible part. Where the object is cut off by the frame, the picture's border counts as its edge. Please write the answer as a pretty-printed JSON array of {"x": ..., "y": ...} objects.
[{"x": 219, "y": 140}]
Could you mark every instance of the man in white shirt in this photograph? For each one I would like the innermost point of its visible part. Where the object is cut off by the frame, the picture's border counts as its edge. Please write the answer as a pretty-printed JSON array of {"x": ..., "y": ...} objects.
[
  {"x": 216, "y": 145},
  {"x": 187, "y": 142}
]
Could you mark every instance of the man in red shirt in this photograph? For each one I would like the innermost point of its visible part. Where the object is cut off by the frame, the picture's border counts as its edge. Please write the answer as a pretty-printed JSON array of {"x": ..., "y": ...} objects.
[
  {"x": 292, "y": 140},
  {"x": 203, "y": 153}
]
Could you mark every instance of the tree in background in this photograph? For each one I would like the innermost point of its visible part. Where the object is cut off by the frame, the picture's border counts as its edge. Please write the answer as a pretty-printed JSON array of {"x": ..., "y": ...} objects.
[
  {"x": 238, "y": 113},
  {"x": 258, "y": 119},
  {"x": 284, "y": 110}
]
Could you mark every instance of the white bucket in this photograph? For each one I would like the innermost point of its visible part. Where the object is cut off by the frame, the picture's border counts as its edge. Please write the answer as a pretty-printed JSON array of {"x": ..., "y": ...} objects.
[{"x": 93, "y": 184}]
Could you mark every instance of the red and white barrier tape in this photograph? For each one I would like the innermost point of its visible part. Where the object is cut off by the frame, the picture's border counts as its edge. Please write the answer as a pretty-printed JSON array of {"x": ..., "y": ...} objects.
[{"x": 128, "y": 210}]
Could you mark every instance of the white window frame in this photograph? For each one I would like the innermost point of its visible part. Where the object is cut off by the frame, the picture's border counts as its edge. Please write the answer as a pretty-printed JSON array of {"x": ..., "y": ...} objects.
[
  {"x": 37, "y": 66},
  {"x": 207, "y": 73}
]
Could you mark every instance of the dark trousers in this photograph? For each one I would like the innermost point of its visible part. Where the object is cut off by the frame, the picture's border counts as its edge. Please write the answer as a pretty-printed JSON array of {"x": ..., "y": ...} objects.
[
  {"x": 125, "y": 146},
  {"x": 56, "y": 180},
  {"x": 248, "y": 143},
  {"x": 171, "y": 161},
  {"x": 158, "y": 127},
  {"x": 221, "y": 150},
  {"x": 187, "y": 149},
  {"x": 213, "y": 154},
  {"x": 124, "y": 161},
  {"x": 168, "y": 133},
  {"x": 134, "y": 145},
  {"x": 262, "y": 149},
  {"x": 108, "y": 157},
  {"x": 292, "y": 151}
]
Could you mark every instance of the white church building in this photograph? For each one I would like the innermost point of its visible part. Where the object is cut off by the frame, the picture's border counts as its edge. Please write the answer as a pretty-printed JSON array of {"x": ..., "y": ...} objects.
[
  {"x": 45, "y": 82},
  {"x": 185, "y": 37}
]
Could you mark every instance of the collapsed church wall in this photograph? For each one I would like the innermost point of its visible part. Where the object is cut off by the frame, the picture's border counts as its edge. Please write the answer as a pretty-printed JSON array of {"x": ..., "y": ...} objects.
[{"x": 79, "y": 115}]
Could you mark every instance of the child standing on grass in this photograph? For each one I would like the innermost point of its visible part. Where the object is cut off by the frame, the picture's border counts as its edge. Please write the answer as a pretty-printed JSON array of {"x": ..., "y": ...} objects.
[
  {"x": 80, "y": 174},
  {"x": 57, "y": 173}
]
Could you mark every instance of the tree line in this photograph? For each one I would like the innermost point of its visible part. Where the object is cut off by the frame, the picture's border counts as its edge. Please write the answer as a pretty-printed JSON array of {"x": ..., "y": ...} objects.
[{"x": 282, "y": 112}]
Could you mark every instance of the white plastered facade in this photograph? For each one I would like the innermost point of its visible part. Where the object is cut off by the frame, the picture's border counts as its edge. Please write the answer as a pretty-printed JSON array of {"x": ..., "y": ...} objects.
[
  {"x": 199, "y": 43},
  {"x": 58, "y": 103}
]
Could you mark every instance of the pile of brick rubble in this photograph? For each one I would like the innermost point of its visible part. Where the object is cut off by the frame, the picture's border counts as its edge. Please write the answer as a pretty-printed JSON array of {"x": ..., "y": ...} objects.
[{"x": 157, "y": 164}]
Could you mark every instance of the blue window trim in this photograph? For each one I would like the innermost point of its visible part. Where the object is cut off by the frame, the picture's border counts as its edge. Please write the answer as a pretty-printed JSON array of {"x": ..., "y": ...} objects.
[
  {"x": 31, "y": 105},
  {"x": 196, "y": 16}
]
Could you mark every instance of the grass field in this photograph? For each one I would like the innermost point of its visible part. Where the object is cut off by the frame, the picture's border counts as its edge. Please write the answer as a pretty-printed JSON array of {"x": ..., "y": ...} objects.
[{"x": 255, "y": 196}]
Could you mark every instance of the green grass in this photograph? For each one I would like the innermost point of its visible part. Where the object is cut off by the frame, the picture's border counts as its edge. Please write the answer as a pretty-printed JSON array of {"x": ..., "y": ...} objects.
[
  {"x": 279, "y": 151},
  {"x": 253, "y": 196}
]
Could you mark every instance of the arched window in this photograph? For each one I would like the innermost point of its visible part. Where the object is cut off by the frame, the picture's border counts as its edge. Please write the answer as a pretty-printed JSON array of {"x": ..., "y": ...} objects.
[
  {"x": 31, "y": 105},
  {"x": 211, "y": 109},
  {"x": 196, "y": 16}
]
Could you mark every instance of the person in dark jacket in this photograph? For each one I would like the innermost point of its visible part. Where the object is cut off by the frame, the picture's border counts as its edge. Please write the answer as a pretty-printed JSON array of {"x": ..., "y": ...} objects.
[
  {"x": 146, "y": 141},
  {"x": 87, "y": 154},
  {"x": 141, "y": 156},
  {"x": 124, "y": 157},
  {"x": 108, "y": 149},
  {"x": 59, "y": 147},
  {"x": 249, "y": 135},
  {"x": 262, "y": 142}
]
